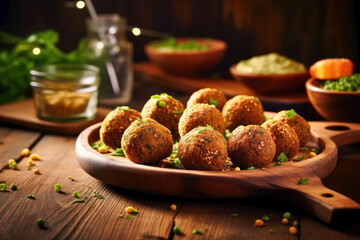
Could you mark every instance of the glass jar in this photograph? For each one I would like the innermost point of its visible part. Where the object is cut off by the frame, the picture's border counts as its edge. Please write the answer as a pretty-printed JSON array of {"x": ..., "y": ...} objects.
[
  {"x": 108, "y": 48},
  {"x": 65, "y": 92}
]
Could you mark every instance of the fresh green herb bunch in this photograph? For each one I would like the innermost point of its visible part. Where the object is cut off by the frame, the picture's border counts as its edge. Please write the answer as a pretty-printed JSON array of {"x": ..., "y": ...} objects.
[
  {"x": 16, "y": 63},
  {"x": 347, "y": 83}
]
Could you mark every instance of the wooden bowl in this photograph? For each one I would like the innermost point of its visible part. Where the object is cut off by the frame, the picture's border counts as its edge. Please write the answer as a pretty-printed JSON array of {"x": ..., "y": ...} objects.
[
  {"x": 187, "y": 63},
  {"x": 271, "y": 83},
  {"x": 342, "y": 106}
]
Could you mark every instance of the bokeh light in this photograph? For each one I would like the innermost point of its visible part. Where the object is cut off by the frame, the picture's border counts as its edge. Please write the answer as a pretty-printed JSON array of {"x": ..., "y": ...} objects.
[
  {"x": 36, "y": 51},
  {"x": 136, "y": 31},
  {"x": 80, "y": 4}
]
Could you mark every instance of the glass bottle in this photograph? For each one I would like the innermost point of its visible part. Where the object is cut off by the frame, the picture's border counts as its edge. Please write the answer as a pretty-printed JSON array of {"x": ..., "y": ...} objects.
[{"x": 108, "y": 48}]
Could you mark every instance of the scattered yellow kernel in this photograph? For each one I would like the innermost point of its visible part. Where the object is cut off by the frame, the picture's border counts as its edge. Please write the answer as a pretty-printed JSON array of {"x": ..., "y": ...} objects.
[
  {"x": 102, "y": 149},
  {"x": 259, "y": 223},
  {"x": 313, "y": 154},
  {"x": 30, "y": 162},
  {"x": 293, "y": 230},
  {"x": 34, "y": 156},
  {"x": 36, "y": 171},
  {"x": 25, "y": 152},
  {"x": 173, "y": 207},
  {"x": 129, "y": 209},
  {"x": 11, "y": 161},
  {"x": 284, "y": 221},
  {"x": 237, "y": 169}
]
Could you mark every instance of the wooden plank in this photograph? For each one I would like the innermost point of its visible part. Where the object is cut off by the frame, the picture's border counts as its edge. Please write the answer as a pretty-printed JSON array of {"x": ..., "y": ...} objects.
[
  {"x": 13, "y": 141},
  {"x": 23, "y": 114},
  {"x": 95, "y": 218}
]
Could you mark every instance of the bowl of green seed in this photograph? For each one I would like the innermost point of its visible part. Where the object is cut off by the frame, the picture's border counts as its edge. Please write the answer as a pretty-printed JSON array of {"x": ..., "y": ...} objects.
[
  {"x": 336, "y": 100},
  {"x": 186, "y": 56}
]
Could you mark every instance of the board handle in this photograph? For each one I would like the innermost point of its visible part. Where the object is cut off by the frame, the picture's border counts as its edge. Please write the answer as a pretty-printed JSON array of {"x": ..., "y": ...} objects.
[
  {"x": 329, "y": 206},
  {"x": 342, "y": 133}
]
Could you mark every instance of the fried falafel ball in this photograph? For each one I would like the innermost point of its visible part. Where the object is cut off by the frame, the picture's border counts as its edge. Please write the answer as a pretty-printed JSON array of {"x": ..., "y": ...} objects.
[
  {"x": 146, "y": 141},
  {"x": 285, "y": 138},
  {"x": 202, "y": 149},
  {"x": 210, "y": 96},
  {"x": 243, "y": 110},
  {"x": 300, "y": 125},
  {"x": 201, "y": 114},
  {"x": 251, "y": 146},
  {"x": 115, "y": 124},
  {"x": 166, "y": 110}
]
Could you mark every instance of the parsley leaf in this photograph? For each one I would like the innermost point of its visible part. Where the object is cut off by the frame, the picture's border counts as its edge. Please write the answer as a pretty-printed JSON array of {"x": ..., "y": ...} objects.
[
  {"x": 80, "y": 200},
  {"x": 178, "y": 112},
  {"x": 97, "y": 144},
  {"x": 277, "y": 164},
  {"x": 213, "y": 102},
  {"x": 118, "y": 152},
  {"x": 291, "y": 113},
  {"x": 124, "y": 108},
  {"x": 299, "y": 158},
  {"x": 302, "y": 181},
  {"x": 31, "y": 196},
  {"x": 251, "y": 168},
  {"x": 282, "y": 157},
  {"x": 227, "y": 134}
]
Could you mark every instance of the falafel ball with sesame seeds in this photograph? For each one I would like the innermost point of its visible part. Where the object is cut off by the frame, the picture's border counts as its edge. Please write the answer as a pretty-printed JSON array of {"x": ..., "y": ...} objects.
[
  {"x": 243, "y": 110},
  {"x": 212, "y": 96},
  {"x": 201, "y": 114},
  {"x": 251, "y": 146},
  {"x": 285, "y": 138},
  {"x": 115, "y": 124},
  {"x": 202, "y": 149},
  {"x": 300, "y": 125},
  {"x": 166, "y": 110},
  {"x": 147, "y": 141}
]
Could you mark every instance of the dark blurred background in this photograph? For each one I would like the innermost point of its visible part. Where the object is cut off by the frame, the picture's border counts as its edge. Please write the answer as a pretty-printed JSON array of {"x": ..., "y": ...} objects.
[{"x": 307, "y": 30}]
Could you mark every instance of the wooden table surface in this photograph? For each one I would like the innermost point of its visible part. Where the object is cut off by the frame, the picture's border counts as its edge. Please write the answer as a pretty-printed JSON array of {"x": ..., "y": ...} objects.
[{"x": 105, "y": 219}]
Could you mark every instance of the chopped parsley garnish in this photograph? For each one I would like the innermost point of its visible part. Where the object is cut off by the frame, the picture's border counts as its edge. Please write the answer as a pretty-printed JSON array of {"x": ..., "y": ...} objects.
[
  {"x": 57, "y": 187},
  {"x": 303, "y": 149},
  {"x": 282, "y": 157},
  {"x": 123, "y": 108},
  {"x": 196, "y": 232},
  {"x": 234, "y": 215},
  {"x": 202, "y": 128},
  {"x": 31, "y": 196},
  {"x": 174, "y": 153},
  {"x": 315, "y": 150},
  {"x": 176, "y": 163},
  {"x": 299, "y": 158},
  {"x": 13, "y": 187},
  {"x": 3, "y": 187},
  {"x": 177, "y": 230},
  {"x": 40, "y": 223},
  {"x": 130, "y": 216},
  {"x": 213, "y": 102},
  {"x": 76, "y": 194},
  {"x": 80, "y": 200},
  {"x": 265, "y": 218},
  {"x": 302, "y": 181},
  {"x": 251, "y": 168},
  {"x": 178, "y": 112},
  {"x": 99, "y": 196},
  {"x": 227, "y": 134},
  {"x": 97, "y": 144},
  {"x": 118, "y": 152},
  {"x": 277, "y": 164},
  {"x": 157, "y": 96},
  {"x": 291, "y": 113}
]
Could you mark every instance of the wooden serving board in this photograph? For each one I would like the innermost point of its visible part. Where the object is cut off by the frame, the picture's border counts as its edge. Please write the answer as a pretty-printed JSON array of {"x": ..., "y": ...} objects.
[
  {"x": 23, "y": 114},
  {"x": 324, "y": 203}
]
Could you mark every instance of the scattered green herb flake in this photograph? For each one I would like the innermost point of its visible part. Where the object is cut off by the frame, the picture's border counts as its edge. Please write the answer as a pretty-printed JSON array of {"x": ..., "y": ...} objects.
[
  {"x": 177, "y": 230},
  {"x": 303, "y": 149},
  {"x": 266, "y": 118},
  {"x": 86, "y": 186},
  {"x": 277, "y": 164},
  {"x": 255, "y": 98},
  {"x": 299, "y": 158},
  {"x": 282, "y": 157},
  {"x": 291, "y": 113},
  {"x": 118, "y": 152},
  {"x": 178, "y": 112},
  {"x": 157, "y": 96},
  {"x": 80, "y": 200},
  {"x": 234, "y": 215},
  {"x": 13, "y": 187},
  {"x": 287, "y": 215},
  {"x": 31, "y": 196},
  {"x": 265, "y": 218},
  {"x": 121, "y": 215},
  {"x": 97, "y": 144},
  {"x": 76, "y": 194},
  {"x": 99, "y": 196},
  {"x": 40, "y": 223},
  {"x": 174, "y": 153},
  {"x": 251, "y": 168},
  {"x": 302, "y": 181},
  {"x": 57, "y": 187},
  {"x": 202, "y": 128},
  {"x": 227, "y": 134},
  {"x": 14, "y": 166},
  {"x": 161, "y": 103},
  {"x": 271, "y": 230},
  {"x": 176, "y": 163},
  {"x": 196, "y": 232},
  {"x": 315, "y": 150},
  {"x": 123, "y": 108},
  {"x": 346, "y": 83},
  {"x": 130, "y": 216},
  {"x": 213, "y": 102},
  {"x": 3, "y": 187},
  {"x": 260, "y": 132}
]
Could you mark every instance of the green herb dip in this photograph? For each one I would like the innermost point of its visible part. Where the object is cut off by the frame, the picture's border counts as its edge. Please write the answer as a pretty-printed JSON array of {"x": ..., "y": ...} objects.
[
  {"x": 271, "y": 63},
  {"x": 172, "y": 44},
  {"x": 347, "y": 83}
]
